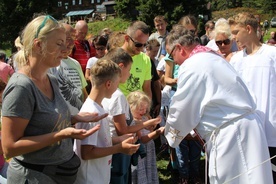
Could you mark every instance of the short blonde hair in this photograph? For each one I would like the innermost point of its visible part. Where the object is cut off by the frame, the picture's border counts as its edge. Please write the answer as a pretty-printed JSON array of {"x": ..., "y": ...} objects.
[
  {"x": 244, "y": 19},
  {"x": 104, "y": 70}
]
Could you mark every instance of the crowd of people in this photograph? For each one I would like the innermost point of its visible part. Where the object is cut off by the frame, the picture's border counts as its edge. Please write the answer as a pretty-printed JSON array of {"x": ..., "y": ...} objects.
[{"x": 79, "y": 110}]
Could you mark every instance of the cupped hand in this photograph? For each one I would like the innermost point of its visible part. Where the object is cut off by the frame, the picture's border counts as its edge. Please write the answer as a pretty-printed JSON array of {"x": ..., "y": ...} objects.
[
  {"x": 129, "y": 147},
  {"x": 161, "y": 130},
  {"x": 74, "y": 133},
  {"x": 126, "y": 136}
]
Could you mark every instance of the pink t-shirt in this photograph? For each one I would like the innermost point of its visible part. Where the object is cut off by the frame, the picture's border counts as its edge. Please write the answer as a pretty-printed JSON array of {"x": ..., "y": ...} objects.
[{"x": 5, "y": 71}]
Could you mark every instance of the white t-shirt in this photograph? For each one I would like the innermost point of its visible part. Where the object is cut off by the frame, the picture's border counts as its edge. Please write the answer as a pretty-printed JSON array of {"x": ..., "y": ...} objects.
[
  {"x": 116, "y": 105},
  {"x": 259, "y": 73},
  {"x": 91, "y": 62},
  {"x": 94, "y": 171}
]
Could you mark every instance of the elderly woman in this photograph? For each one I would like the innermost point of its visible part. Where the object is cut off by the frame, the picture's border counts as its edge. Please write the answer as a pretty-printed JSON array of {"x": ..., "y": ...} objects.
[{"x": 223, "y": 39}]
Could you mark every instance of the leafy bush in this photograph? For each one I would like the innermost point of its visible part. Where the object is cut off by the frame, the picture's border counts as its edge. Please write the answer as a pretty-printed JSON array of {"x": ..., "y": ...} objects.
[{"x": 230, "y": 12}]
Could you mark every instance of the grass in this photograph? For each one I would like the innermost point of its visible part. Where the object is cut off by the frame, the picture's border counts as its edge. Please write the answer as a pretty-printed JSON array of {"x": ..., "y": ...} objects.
[
  {"x": 166, "y": 175},
  {"x": 165, "y": 172},
  {"x": 267, "y": 36},
  {"x": 115, "y": 24}
]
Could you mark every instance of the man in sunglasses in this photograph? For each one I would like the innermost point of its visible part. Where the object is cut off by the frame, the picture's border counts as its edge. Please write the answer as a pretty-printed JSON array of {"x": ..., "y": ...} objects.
[
  {"x": 256, "y": 64},
  {"x": 134, "y": 44}
]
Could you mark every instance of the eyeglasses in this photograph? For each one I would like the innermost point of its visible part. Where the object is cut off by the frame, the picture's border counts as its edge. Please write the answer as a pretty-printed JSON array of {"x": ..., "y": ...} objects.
[
  {"x": 137, "y": 44},
  {"x": 43, "y": 24},
  {"x": 225, "y": 42},
  {"x": 170, "y": 55}
]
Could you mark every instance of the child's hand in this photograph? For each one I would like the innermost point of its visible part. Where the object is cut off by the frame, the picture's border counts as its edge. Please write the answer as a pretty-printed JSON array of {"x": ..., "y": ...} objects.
[
  {"x": 154, "y": 121},
  {"x": 150, "y": 128},
  {"x": 129, "y": 147},
  {"x": 77, "y": 133},
  {"x": 161, "y": 130},
  {"x": 126, "y": 136}
]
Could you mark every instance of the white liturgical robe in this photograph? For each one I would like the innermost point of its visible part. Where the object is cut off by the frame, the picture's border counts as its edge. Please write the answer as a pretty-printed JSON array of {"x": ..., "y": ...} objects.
[{"x": 212, "y": 98}]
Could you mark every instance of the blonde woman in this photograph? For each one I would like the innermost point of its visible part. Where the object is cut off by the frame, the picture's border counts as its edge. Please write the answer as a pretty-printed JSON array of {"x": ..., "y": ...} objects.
[{"x": 36, "y": 122}]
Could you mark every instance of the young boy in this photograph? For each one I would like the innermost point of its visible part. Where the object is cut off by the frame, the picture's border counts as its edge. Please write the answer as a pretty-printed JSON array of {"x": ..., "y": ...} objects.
[
  {"x": 256, "y": 64},
  {"x": 119, "y": 116},
  {"x": 96, "y": 150}
]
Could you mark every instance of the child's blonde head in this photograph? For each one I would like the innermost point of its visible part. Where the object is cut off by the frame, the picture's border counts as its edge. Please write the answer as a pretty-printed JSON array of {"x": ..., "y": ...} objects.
[
  {"x": 104, "y": 70},
  {"x": 136, "y": 98}
]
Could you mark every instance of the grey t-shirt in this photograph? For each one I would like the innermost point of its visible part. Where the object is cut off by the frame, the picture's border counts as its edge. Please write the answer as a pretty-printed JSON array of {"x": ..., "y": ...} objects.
[{"x": 23, "y": 99}]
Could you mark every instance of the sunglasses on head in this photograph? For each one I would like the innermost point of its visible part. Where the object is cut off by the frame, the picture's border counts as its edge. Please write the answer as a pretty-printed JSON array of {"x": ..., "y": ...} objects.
[
  {"x": 137, "y": 44},
  {"x": 225, "y": 42}
]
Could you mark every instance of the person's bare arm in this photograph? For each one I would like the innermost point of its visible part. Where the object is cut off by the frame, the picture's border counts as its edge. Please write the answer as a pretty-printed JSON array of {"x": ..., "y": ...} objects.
[
  {"x": 85, "y": 94},
  {"x": 122, "y": 128},
  {"x": 87, "y": 74},
  {"x": 157, "y": 93},
  {"x": 152, "y": 135},
  {"x": 169, "y": 80},
  {"x": 92, "y": 152},
  {"x": 147, "y": 88},
  {"x": 14, "y": 143}
]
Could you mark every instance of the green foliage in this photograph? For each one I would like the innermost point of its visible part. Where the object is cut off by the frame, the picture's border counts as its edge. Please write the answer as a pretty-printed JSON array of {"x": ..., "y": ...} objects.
[
  {"x": 15, "y": 14},
  {"x": 116, "y": 24},
  {"x": 126, "y": 9},
  {"x": 231, "y": 12},
  {"x": 148, "y": 9}
]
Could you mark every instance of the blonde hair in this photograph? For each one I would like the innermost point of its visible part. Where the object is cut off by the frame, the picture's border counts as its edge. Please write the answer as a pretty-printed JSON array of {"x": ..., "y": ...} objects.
[
  {"x": 135, "y": 99},
  {"x": 17, "y": 43},
  {"x": 104, "y": 70},
  {"x": 244, "y": 19},
  {"x": 223, "y": 27},
  {"x": 116, "y": 39},
  {"x": 38, "y": 28}
]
